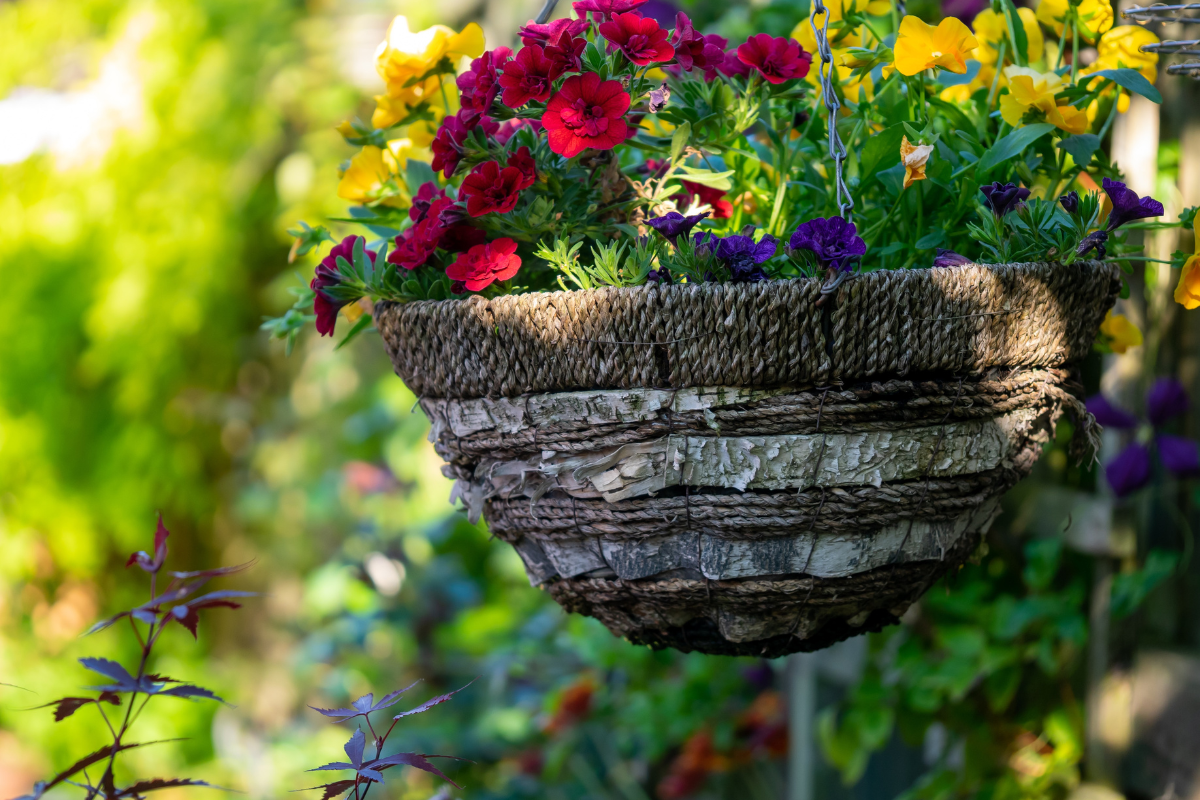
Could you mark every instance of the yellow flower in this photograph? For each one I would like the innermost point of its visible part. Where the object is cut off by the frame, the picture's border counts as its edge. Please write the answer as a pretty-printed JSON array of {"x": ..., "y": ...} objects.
[
  {"x": 962, "y": 92},
  {"x": 839, "y": 36},
  {"x": 1030, "y": 90},
  {"x": 914, "y": 157},
  {"x": 1120, "y": 333},
  {"x": 1187, "y": 293},
  {"x": 436, "y": 90},
  {"x": 920, "y": 46},
  {"x": 1119, "y": 48},
  {"x": 405, "y": 55},
  {"x": 991, "y": 28},
  {"x": 1095, "y": 16},
  {"x": 371, "y": 176}
]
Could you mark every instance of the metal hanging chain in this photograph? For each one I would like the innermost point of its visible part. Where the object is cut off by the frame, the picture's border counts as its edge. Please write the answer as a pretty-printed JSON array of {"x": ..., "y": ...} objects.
[
  {"x": 1189, "y": 48},
  {"x": 837, "y": 150}
]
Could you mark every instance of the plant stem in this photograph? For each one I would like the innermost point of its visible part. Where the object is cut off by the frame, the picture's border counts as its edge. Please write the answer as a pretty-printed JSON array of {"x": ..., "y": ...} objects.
[
  {"x": 996, "y": 78},
  {"x": 1074, "y": 49}
]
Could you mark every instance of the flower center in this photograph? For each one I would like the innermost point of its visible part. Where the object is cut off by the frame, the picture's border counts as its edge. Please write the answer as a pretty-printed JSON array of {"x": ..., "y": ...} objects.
[
  {"x": 936, "y": 54},
  {"x": 589, "y": 118}
]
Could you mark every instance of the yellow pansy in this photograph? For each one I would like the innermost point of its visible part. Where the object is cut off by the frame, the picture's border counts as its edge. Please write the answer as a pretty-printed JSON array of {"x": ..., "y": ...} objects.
[
  {"x": 1119, "y": 333},
  {"x": 1117, "y": 49},
  {"x": 991, "y": 28},
  {"x": 839, "y": 36},
  {"x": 1095, "y": 16},
  {"x": 1187, "y": 293},
  {"x": 371, "y": 175},
  {"x": 1030, "y": 90},
  {"x": 405, "y": 55},
  {"x": 914, "y": 157},
  {"x": 920, "y": 46}
]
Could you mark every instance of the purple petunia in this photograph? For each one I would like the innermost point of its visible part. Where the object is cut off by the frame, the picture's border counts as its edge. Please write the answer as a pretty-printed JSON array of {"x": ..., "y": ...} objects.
[
  {"x": 1070, "y": 202},
  {"x": 834, "y": 241},
  {"x": 949, "y": 258},
  {"x": 1131, "y": 469},
  {"x": 672, "y": 225},
  {"x": 1002, "y": 198},
  {"x": 744, "y": 257},
  {"x": 1127, "y": 206}
]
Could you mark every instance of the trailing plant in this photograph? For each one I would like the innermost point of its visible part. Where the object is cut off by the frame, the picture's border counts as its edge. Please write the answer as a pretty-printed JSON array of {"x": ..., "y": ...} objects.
[{"x": 128, "y": 692}]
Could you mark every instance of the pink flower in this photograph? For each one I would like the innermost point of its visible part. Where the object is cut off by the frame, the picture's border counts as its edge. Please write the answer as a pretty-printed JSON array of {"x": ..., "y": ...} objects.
[
  {"x": 530, "y": 76},
  {"x": 492, "y": 190},
  {"x": 483, "y": 264},
  {"x": 533, "y": 33},
  {"x": 567, "y": 51},
  {"x": 605, "y": 7},
  {"x": 733, "y": 66},
  {"x": 509, "y": 128},
  {"x": 639, "y": 38},
  {"x": 447, "y": 145},
  {"x": 586, "y": 112},
  {"x": 327, "y": 301},
  {"x": 693, "y": 49},
  {"x": 478, "y": 84},
  {"x": 776, "y": 59},
  {"x": 523, "y": 161}
]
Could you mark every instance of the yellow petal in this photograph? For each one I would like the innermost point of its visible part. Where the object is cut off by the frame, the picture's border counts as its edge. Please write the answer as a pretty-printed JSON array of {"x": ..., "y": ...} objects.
[
  {"x": 1120, "y": 332},
  {"x": 469, "y": 43},
  {"x": 914, "y": 46},
  {"x": 1012, "y": 110},
  {"x": 1187, "y": 292},
  {"x": 1069, "y": 118}
]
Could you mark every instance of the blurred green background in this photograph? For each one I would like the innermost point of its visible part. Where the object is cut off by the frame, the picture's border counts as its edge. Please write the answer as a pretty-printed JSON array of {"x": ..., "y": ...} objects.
[{"x": 153, "y": 155}]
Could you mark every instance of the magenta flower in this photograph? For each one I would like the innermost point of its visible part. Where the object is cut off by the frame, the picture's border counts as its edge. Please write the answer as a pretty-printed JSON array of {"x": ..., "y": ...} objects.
[
  {"x": 447, "y": 145},
  {"x": 1131, "y": 469},
  {"x": 534, "y": 33},
  {"x": 479, "y": 85},
  {"x": 605, "y": 7},
  {"x": 694, "y": 50},
  {"x": 834, "y": 241},
  {"x": 328, "y": 285},
  {"x": 777, "y": 59}
]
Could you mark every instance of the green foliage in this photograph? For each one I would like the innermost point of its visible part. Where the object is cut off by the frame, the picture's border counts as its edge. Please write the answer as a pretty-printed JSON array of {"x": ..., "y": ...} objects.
[{"x": 1129, "y": 589}]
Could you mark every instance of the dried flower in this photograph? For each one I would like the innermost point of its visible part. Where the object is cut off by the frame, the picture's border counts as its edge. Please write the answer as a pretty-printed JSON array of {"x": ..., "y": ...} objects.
[
  {"x": 914, "y": 157},
  {"x": 672, "y": 225},
  {"x": 586, "y": 112},
  {"x": 1002, "y": 198},
  {"x": 483, "y": 264},
  {"x": 834, "y": 241},
  {"x": 640, "y": 38},
  {"x": 776, "y": 59},
  {"x": 659, "y": 98},
  {"x": 448, "y": 144}
]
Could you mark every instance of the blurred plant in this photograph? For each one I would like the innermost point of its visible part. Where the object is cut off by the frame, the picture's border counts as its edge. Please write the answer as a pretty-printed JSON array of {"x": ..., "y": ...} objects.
[
  {"x": 367, "y": 770},
  {"x": 174, "y": 604}
]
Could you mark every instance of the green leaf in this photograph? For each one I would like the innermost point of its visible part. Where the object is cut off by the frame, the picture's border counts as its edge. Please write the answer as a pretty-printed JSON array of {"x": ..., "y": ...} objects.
[
  {"x": 1012, "y": 145},
  {"x": 1131, "y": 588},
  {"x": 881, "y": 151},
  {"x": 1016, "y": 32},
  {"x": 931, "y": 240},
  {"x": 679, "y": 140},
  {"x": 704, "y": 177},
  {"x": 1132, "y": 80},
  {"x": 417, "y": 173},
  {"x": 363, "y": 323},
  {"x": 1081, "y": 147}
]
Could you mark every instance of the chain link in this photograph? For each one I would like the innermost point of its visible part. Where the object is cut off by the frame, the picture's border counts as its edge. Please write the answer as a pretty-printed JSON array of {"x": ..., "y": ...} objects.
[{"x": 837, "y": 150}]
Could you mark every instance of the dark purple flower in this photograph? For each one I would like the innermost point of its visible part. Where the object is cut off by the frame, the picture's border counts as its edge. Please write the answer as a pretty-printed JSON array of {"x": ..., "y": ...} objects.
[
  {"x": 1130, "y": 470},
  {"x": 1093, "y": 241},
  {"x": 1181, "y": 456},
  {"x": 743, "y": 256},
  {"x": 661, "y": 275},
  {"x": 1167, "y": 398},
  {"x": 834, "y": 241},
  {"x": 327, "y": 303},
  {"x": 966, "y": 10},
  {"x": 1127, "y": 206},
  {"x": 672, "y": 225},
  {"x": 949, "y": 258},
  {"x": 1109, "y": 415},
  {"x": 1004, "y": 197},
  {"x": 705, "y": 243},
  {"x": 1070, "y": 202}
]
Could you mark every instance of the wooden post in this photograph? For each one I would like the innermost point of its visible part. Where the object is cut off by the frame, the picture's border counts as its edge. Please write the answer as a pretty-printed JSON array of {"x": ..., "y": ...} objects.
[{"x": 802, "y": 710}]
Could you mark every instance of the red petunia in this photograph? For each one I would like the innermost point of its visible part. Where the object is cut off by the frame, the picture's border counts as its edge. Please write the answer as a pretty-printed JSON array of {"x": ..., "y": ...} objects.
[
  {"x": 484, "y": 263},
  {"x": 606, "y": 7},
  {"x": 721, "y": 208},
  {"x": 566, "y": 50},
  {"x": 416, "y": 245},
  {"x": 426, "y": 194},
  {"x": 478, "y": 84},
  {"x": 461, "y": 237},
  {"x": 694, "y": 50},
  {"x": 447, "y": 145},
  {"x": 326, "y": 306},
  {"x": 523, "y": 161},
  {"x": 536, "y": 33},
  {"x": 586, "y": 112},
  {"x": 529, "y": 76},
  {"x": 492, "y": 190},
  {"x": 776, "y": 59},
  {"x": 640, "y": 38},
  {"x": 732, "y": 66}
]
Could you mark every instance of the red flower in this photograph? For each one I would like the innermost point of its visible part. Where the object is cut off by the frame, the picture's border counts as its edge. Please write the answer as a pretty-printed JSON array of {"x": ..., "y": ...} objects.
[
  {"x": 586, "y": 113},
  {"x": 484, "y": 263},
  {"x": 492, "y": 190},
  {"x": 721, "y": 208},
  {"x": 478, "y": 85},
  {"x": 530, "y": 76},
  {"x": 639, "y": 38},
  {"x": 567, "y": 51},
  {"x": 416, "y": 245},
  {"x": 447, "y": 145},
  {"x": 732, "y": 66},
  {"x": 606, "y": 7},
  {"x": 523, "y": 161},
  {"x": 325, "y": 305},
  {"x": 460, "y": 237},
  {"x": 693, "y": 49},
  {"x": 428, "y": 192},
  {"x": 534, "y": 33},
  {"x": 776, "y": 59}
]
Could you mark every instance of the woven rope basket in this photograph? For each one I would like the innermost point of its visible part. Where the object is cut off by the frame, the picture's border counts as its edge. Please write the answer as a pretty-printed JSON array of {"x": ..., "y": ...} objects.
[{"x": 729, "y": 467}]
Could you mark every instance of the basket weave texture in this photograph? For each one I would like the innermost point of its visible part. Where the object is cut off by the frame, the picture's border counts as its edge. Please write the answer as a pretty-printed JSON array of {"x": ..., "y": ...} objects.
[{"x": 732, "y": 469}]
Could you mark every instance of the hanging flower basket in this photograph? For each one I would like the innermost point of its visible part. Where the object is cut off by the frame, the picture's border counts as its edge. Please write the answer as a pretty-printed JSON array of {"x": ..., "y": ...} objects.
[{"x": 731, "y": 469}]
